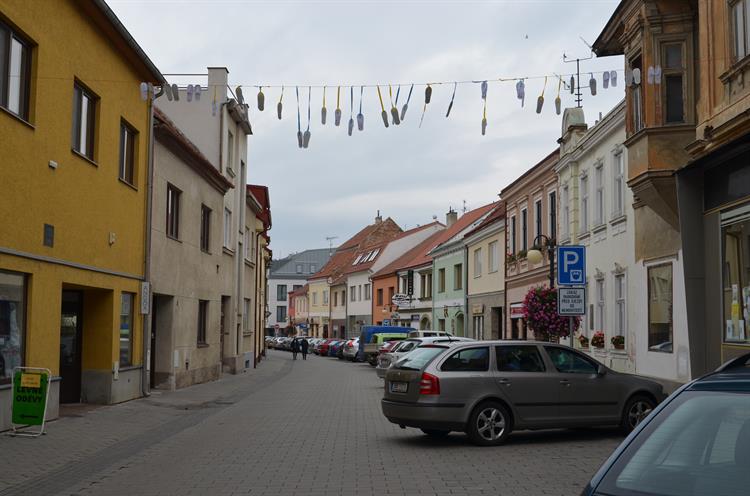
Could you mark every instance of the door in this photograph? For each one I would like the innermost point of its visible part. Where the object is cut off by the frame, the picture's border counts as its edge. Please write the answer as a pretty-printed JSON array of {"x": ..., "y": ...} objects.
[
  {"x": 71, "y": 331},
  {"x": 525, "y": 382},
  {"x": 152, "y": 357},
  {"x": 465, "y": 376},
  {"x": 585, "y": 397}
]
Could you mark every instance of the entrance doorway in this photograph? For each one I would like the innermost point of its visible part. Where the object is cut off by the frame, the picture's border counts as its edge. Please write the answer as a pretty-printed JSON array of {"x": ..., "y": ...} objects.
[{"x": 71, "y": 331}]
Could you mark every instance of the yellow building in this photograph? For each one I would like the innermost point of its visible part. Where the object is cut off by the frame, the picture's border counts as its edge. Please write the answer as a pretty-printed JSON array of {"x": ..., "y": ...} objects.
[{"x": 74, "y": 168}]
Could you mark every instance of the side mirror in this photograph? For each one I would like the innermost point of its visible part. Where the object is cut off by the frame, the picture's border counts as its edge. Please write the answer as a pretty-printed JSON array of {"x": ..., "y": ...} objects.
[{"x": 601, "y": 370}]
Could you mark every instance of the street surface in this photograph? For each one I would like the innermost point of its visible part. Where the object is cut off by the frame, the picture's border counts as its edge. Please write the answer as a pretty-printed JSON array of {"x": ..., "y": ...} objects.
[{"x": 290, "y": 427}]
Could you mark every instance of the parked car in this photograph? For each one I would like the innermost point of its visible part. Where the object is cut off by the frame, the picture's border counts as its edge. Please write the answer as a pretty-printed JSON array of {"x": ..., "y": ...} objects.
[
  {"x": 322, "y": 349},
  {"x": 489, "y": 388},
  {"x": 350, "y": 349},
  {"x": 367, "y": 347},
  {"x": 427, "y": 333},
  {"x": 377, "y": 341},
  {"x": 695, "y": 443},
  {"x": 385, "y": 360},
  {"x": 333, "y": 348}
]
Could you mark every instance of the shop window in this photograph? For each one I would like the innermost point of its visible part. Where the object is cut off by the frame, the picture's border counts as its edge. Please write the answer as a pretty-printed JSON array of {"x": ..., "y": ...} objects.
[
  {"x": 15, "y": 72},
  {"x": 660, "y": 308},
  {"x": 126, "y": 329},
  {"x": 736, "y": 278},
  {"x": 12, "y": 323}
]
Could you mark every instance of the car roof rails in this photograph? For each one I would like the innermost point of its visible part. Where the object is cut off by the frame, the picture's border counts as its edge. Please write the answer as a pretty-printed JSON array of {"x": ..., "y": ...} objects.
[{"x": 735, "y": 363}]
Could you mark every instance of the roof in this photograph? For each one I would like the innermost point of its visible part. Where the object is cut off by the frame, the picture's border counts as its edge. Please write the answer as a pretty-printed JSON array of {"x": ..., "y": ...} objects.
[
  {"x": 405, "y": 259},
  {"x": 542, "y": 163},
  {"x": 124, "y": 35},
  {"x": 286, "y": 268},
  {"x": 607, "y": 43},
  {"x": 260, "y": 193},
  {"x": 495, "y": 216},
  {"x": 167, "y": 132},
  {"x": 299, "y": 291}
]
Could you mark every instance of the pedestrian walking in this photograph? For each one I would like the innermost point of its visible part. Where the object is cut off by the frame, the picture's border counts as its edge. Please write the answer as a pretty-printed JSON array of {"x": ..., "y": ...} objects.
[
  {"x": 295, "y": 348},
  {"x": 305, "y": 348}
]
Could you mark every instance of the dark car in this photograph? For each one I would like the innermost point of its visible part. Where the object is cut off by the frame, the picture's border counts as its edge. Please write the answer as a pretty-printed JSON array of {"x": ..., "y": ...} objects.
[
  {"x": 696, "y": 443},
  {"x": 334, "y": 348}
]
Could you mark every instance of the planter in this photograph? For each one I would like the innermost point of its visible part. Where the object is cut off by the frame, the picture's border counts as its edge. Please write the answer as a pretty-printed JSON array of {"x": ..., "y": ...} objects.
[
  {"x": 620, "y": 346},
  {"x": 618, "y": 342}
]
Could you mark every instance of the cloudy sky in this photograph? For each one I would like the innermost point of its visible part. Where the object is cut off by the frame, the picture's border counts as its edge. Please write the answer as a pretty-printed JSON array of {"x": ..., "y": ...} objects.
[{"x": 336, "y": 186}]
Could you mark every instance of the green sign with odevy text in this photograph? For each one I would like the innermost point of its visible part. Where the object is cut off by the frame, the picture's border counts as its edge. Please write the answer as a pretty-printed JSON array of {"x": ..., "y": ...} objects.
[{"x": 29, "y": 397}]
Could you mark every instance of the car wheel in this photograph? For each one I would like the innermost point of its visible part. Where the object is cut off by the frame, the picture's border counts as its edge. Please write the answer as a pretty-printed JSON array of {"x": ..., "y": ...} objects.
[
  {"x": 636, "y": 409},
  {"x": 489, "y": 424},
  {"x": 435, "y": 432}
]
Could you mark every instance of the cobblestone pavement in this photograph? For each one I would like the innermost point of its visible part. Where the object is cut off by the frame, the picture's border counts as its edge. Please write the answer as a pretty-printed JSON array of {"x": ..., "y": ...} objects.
[{"x": 289, "y": 427}]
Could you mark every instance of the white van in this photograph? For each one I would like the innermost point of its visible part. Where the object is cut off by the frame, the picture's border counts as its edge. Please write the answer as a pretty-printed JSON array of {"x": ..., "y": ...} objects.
[{"x": 428, "y": 334}]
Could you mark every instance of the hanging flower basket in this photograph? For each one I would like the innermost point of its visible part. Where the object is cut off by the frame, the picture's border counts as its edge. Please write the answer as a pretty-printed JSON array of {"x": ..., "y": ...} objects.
[
  {"x": 618, "y": 342},
  {"x": 597, "y": 340},
  {"x": 540, "y": 311}
]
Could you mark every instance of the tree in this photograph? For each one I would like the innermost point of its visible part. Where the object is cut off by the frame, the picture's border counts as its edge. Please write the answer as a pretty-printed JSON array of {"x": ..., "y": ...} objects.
[{"x": 540, "y": 311}]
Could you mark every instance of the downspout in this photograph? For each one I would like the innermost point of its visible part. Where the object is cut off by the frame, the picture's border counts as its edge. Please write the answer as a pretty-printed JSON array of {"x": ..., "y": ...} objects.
[
  {"x": 467, "y": 321},
  {"x": 146, "y": 345}
]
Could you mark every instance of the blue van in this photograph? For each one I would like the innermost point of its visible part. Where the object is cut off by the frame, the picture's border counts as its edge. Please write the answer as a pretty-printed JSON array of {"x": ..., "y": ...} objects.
[{"x": 365, "y": 338}]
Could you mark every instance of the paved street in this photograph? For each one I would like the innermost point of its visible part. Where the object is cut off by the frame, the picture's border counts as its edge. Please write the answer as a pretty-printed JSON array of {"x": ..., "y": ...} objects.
[{"x": 304, "y": 427}]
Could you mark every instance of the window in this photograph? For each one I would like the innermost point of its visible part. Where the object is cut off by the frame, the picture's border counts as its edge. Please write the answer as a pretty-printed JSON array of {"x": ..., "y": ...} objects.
[
  {"x": 335, "y": 298},
  {"x": 281, "y": 292},
  {"x": 468, "y": 360},
  {"x": 519, "y": 359},
  {"x": 374, "y": 254},
  {"x": 538, "y": 218},
  {"x": 524, "y": 230},
  {"x": 15, "y": 72},
  {"x": 552, "y": 200},
  {"x": 478, "y": 262},
  {"x": 441, "y": 280},
  {"x": 458, "y": 276},
  {"x": 173, "y": 211},
  {"x": 296, "y": 287},
  {"x": 126, "y": 329},
  {"x": 441, "y": 325},
  {"x": 313, "y": 268},
  {"x": 12, "y": 322},
  {"x": 674, "y": 80},
  {"x": 570, "y": 362},
  {"x": 202, "y": 321},
  {"x": 599, "y": 198},
  {"x": 584, "y": 204},
  {"x": 352, "y": 293},
  {"x": 735, "y": 283},
  {"x": 621, "y": 310},
  {"x": 600, "y": 305},
  {"x": 636, "y": 102},
  {"x": 246, "y": 243},
  {"x": 227, "y": 228},
  {"x": 367, "y": 292},
  {"x": 315, "y": 298},
  {"x": 513, "y": 235},
  {"x": 127, "y": 153},
  {"x": 391, "y": 291},
  {"x": 740, "y": 31},
  {"x": 325, "y": 297},
  {"x": 493, "y": 257},
  {"x": 84, "y": 114},
  {"x": 478, "y": 322},
  {"x": 565, "y": 225},
  {"x": 281, "y": 314},
  {"x": 230, "y": 150},
  {"x": 359, "y": 292},
  {"x": 356, "y": 260},
  {"x": 618, "y": 193},
  {"x": 205, "y": 228},
  {"x": 246, "y": 315},
  {"x": 380, "y": 297},
  {"x": 660, "y": 308},
  {"x": 299, "y": 268}
]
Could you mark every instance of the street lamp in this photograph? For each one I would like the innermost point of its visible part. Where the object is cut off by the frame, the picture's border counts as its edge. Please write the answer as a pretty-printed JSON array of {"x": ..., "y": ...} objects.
[{"x": 543, "y": 242}]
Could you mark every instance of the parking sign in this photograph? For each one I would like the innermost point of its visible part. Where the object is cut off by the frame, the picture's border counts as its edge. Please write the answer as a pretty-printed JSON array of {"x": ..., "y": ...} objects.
[{"x": 571, "y": 265}]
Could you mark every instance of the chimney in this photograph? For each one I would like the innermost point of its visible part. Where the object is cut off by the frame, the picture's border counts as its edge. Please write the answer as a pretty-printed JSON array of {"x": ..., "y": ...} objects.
[
  {"x": 218, "y": 78},
  {"x": 378, "y": 218},
  {"x": 451, "y": 217}
]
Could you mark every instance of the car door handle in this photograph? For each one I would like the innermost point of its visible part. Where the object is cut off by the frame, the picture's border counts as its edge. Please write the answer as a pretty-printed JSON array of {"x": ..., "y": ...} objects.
[
  {"x": 504, "y": 382},
  {"x": 565, "y": 382}
]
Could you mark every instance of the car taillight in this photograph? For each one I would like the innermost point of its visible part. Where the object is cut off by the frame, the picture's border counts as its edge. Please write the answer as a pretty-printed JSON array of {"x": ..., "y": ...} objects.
[{"x": 429, "y": 384}]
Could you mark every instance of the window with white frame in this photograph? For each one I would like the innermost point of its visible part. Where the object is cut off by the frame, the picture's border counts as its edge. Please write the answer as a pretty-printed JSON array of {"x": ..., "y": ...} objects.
[
  {"x": 352, "y": 293},
  {"x": 325, "y": 297},
  {"x": 565, "y": 224},
  {"x": 359, "y": 293},
  {"x": 478, "y": 262},
  {"x": 584, "y": 213},
  {"x": 227, "y": 228},
  {"x": 599, "y": 195},
  {"x": 315, "y": 298},
  {"x": 230, "y": 150},
  {"x": 524, "y": 230},
  {"x": 636, "y": 98},
  {"x": 618, "y": 192},
  {"x": 367, "y": 292},
  {"x": 621, "y": 310},
  {"x": 537, "y": 218},
  {"x": 513, "y": 235},
  {"x": 493, "y": 257},
  {"x": 600, "y": 305},
  {"x": 299, "y": 268},
  {"x": 740, "y": 28},
  {"x": 552, "y": 213},
  {"x": 15, "y": 71},
  {"x": 248, "y": 242}
]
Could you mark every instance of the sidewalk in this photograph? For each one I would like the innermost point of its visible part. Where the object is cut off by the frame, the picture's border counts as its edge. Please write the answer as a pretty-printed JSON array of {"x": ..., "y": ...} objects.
[{"x": 93, "y": 439}]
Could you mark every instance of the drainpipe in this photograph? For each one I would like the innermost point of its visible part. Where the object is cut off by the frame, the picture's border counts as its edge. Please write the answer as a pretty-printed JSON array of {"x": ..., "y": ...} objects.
[
  {"x": 468, "y": 320},
  {"x": 146, "y": 345}
]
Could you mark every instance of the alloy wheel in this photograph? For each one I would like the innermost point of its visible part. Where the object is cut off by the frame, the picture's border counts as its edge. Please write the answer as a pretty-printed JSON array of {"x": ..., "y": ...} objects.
[
  {"x": 638, "y": 411},
  {"x": 490, "y": 424}
]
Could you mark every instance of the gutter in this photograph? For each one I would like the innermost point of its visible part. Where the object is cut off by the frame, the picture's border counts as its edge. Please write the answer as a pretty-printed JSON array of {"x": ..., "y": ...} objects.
[{"x": 145, "y": 382}]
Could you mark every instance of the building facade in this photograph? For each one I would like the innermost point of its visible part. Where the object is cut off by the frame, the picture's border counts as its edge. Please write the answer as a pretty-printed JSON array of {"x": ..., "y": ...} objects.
[
  {"x": 76, "y": 148},
  {"x": 531, "y": 211}
]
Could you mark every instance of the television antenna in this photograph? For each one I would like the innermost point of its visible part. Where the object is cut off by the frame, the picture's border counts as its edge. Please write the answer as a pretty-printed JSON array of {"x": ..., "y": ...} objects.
[
  {"x": 330, "y": 244},
  {"x": 577, "y": 86}
]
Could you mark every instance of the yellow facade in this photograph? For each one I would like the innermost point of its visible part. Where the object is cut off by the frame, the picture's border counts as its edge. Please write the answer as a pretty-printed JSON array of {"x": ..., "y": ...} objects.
[{"x": 99, "y": 220}]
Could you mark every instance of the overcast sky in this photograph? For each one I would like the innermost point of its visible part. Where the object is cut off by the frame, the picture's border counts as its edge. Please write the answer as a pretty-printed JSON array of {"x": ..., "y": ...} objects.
[{"x": 336, "y": 186}]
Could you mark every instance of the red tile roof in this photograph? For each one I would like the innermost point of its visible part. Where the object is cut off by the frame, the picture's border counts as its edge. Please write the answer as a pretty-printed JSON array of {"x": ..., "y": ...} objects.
[
  {"x": 495, "y": 216},
  {"x": 405, "y": 259},
  {"x": 260, "y": 193}
]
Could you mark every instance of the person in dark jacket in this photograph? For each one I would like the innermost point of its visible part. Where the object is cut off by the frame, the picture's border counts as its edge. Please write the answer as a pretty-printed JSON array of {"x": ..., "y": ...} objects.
[
  {"x": 295, "y": 348},
  {"x": 305, "y": 348}
]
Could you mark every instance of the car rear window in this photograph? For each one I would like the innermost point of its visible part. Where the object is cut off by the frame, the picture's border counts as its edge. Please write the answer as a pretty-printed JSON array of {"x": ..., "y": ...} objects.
[
  {"x": 699, "y": 445},
  {"x": 419, "y": 358},
  {"x": 468, "y": 360},
  {"x": 519, "y": 359}
]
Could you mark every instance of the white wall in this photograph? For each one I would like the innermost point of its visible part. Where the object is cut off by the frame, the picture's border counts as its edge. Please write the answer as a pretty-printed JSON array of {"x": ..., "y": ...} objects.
[
  {"x": 273, "y": 301},
  {"x": 361, "y": 306}
]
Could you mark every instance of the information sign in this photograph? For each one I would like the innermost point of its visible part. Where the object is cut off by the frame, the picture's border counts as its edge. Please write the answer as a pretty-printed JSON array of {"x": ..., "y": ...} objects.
[
  {"x": 571, "y": 301},
  {"x": 29, "y": 397}
]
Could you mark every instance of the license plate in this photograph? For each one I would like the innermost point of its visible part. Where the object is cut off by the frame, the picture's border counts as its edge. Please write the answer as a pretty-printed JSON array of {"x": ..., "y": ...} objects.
[{"x": 399, "y": 387}]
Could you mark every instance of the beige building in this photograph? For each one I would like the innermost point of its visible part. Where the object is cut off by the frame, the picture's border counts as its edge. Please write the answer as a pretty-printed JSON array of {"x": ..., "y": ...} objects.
[
  {"x": 486, "y": 276},
  {"x": 257, "y": 258}
]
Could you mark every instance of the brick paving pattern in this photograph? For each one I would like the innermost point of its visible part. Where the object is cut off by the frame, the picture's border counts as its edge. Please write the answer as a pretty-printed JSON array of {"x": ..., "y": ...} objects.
[{"x": 289, "y": 427}]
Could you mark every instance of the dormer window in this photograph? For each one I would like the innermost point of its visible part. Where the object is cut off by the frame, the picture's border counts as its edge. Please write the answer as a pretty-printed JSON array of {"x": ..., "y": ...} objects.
[
  {"x": 356, "y": 261},
  {"x": 374, "y": 254}
]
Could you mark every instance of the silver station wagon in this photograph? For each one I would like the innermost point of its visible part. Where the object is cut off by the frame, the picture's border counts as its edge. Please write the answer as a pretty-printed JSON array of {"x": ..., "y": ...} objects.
[{"x": 489, "y": 388}]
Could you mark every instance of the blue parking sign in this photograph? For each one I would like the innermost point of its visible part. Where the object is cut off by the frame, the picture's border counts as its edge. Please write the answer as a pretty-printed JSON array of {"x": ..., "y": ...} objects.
[{"x": 571, "y": 265}]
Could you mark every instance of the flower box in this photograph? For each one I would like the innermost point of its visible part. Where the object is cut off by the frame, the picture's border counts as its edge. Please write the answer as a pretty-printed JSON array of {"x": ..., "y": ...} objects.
[
  {"x": 618, "y": 342},
  {"x": 597, "y": 340}
]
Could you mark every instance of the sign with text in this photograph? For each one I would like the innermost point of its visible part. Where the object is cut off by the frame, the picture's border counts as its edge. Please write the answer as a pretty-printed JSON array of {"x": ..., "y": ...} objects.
[
  {"x": 400, "y": 299},
  {"x": 571, "y": 301},
  {"x": 29, "y": 397},
  {"x": 571, "y": 265}
]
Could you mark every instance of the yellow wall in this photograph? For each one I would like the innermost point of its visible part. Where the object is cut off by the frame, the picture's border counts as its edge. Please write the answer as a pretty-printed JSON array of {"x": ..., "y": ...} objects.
[{"x": 317, "y": 308}]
